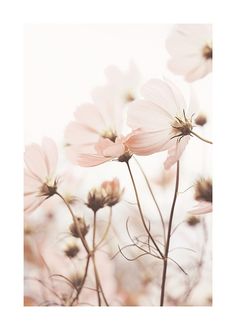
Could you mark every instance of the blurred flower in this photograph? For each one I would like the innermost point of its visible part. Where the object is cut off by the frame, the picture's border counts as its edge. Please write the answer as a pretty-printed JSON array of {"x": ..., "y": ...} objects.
[
  {"x": 190, "y": 47},
  {"x": 95, "y": 136},
  {"x": 97, "y": 198},
  {"x": 77, "y": 227},
  {"x": 113, "y": 191},
  {"x": 121, "y": 86},
  {"x": 71, "y": 250},
  {"x": 201, "y": 119},
  {"x": 193, "y": 220},
  {"x": 40, "y": 182},
  {"x": 203, "y": 194},
  {"x": 159, "y": 121}
]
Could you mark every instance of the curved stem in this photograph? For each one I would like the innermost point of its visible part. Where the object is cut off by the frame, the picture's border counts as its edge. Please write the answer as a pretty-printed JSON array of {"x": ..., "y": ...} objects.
[
  {"x": 141, "y": 213},
  {"x": 201, "y": 138},
  {"x": 106, "y": 231},
  {"x": 153, "y": 197},
  {"x": 168, "y": 237}
]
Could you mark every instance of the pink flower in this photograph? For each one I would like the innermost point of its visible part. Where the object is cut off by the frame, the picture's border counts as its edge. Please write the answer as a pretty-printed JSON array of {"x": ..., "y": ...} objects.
[
  {"x": 123, "y": 85},
  {"x": 94, "y": 137},
  {"x": 160, "y": 122},
  {"x": 190, "y": 47},
  {"x": 201, "y": 208},
  {"x": 40, "y": 182}
]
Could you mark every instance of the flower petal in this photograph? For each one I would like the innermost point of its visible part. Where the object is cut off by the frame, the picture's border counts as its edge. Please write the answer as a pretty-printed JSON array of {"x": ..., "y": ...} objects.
[
  {"x": 51, "y": 155},
  {"x": 147, "y": 143},
  {"x": 164, "y": 94},
  {"x": 175, "y": 152},
  {"x": 35, "y": 161},
  {"x": 147, "y": 115},
  {"x": 201, "y": 208}
]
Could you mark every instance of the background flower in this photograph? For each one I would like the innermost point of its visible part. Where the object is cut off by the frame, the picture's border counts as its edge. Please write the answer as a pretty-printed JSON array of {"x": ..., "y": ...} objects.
[
  {"x": 40, "y": 181},
  {"x": 190, "y": 48}
]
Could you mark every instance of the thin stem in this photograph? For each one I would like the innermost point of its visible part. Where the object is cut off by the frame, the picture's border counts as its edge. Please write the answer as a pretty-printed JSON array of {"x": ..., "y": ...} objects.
[
  {"x": 83, "y": 280},
  {"x": 141, "y": 213},
  {"x": 153, "y": 197},
  {"x": 94, "y": 229},
  {"x": 201, "y": 138},
  {"x": 106, "y": 231},
  {"x": 168, "y": 237},
  {"x": 86, "y": 246}
]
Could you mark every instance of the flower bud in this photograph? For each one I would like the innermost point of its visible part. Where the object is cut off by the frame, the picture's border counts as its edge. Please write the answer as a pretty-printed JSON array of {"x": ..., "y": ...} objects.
[
  {"x": 77, "y": 227},
  {"x": 71, "y": 250},
  {"x": 113, "y": 191},
  {"x": 97, "y": 199},
  {"x": 201, "y": 119}
]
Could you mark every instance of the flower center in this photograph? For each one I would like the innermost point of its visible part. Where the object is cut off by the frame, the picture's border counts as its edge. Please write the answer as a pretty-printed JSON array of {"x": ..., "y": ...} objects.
[
  {"x": 109, "y": 134},
  {"x": 182, "y": 126},
  {"x": 48, "y": 189},
  {"x": 207, "y": 52}
]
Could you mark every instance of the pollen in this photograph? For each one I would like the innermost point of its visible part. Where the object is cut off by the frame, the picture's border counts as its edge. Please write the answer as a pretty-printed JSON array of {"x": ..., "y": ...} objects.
[{"x": 109, "y": 134}]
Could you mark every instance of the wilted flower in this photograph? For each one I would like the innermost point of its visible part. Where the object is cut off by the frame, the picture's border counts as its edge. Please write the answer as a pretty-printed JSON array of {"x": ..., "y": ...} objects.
[
  {"x": 203, "y": 194},
  {"x": 77, "y": 227},
  {"x": 71, "y": 250},
  {"x": 97, "y": 198},
  {"x": 40, "y": 181},
  {"x": 160, "y": 121},
  {"x": 113, "y": 191},
  {"x": 190, "y": 47}
]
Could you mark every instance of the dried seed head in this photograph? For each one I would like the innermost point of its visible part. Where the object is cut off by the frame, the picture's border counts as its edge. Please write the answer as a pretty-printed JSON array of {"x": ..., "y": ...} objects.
[
  {"x": 97, "y": 199},
  {"x": 79, "y": 227},
  {"x": 201, "y": 119},
  {"x": 48, "y": 189},
  {"x": 71, "y": 250},
  {"x": 113, "y": 191},
  {"x": 193, "y": 220},
  {"x": 129, "y": 97},
  {"x": 203, "y": 190}
]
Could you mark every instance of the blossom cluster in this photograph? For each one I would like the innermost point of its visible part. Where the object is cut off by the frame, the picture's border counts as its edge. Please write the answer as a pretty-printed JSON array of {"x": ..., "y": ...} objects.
[{"x": 124, "y": 120}]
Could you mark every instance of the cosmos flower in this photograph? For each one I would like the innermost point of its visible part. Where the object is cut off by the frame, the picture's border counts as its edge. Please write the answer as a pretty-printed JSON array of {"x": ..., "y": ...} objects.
[
  {"x": 40, "y": 180},
  {"x": 190, "y": 48},
  {"x": 160, "y": 121},
  {"x": 122, "y": 86},
  {"x": 113, "y": 191},
  {"x": 95, "y": 135}
]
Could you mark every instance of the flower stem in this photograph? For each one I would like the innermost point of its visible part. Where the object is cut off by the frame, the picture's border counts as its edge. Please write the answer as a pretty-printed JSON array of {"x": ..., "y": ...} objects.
[
  {"x": 201, "y": 138},
  {"x": 141, "y": 213},
  {"x": 106, "y": 230},
  {"x": 153, "y": 197},
  {"x": 165, "y": 260},
  {"x": 89, "y": 252}
]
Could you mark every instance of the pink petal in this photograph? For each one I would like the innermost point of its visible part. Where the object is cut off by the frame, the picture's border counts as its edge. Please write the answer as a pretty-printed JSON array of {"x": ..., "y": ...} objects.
[
  {"x": 115, "y": 150},
  {"x": 200, "y": 71},
  {"x": 32, "y": 202},
  {"x": 175, "y": 152},
  {"x": 89, "y": 116},
  {"x": 79, "y": 135},
  {"x": 51, "y": 155},
  {"x": 146, "y": 143},
  {"x": 147, "y": 115},
  {"x": 31, "y": 182},
  {"x": 85, "y": 160},
  {"x": 164, "y": 94},
  {"x": 35, "y": 161},
  {"x": 201, "y": 208}
]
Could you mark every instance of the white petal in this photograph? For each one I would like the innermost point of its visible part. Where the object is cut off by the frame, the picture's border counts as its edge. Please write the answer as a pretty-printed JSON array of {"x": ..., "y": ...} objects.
[
  {"x": 51, "y": 155},
  {"x": 175, "y": 152},
  {"x": 164, "y": 94},
  {"x": 35, "y": 161}
]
